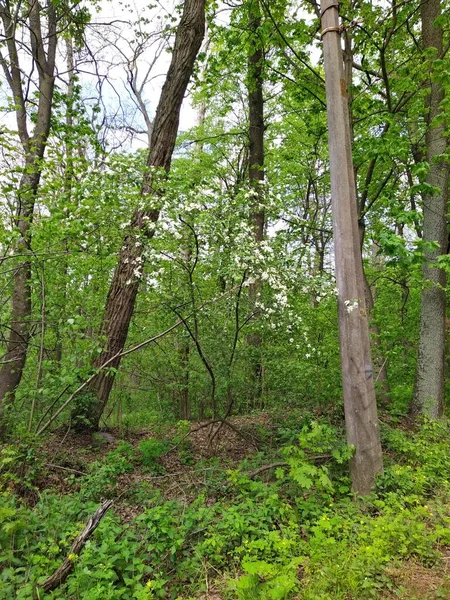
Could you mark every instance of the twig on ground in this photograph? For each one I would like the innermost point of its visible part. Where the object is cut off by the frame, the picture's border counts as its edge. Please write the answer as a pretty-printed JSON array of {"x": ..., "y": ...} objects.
[
  {"x": 181, "y": 440},
  {"x": 256, "y": 472},
  {"x": 52, "y": 466},
  {"x": 248, "y": 437}
]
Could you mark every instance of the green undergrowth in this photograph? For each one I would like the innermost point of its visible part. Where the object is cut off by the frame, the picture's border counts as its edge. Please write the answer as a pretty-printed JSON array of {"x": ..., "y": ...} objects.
[{"x": 292, "y": 531}]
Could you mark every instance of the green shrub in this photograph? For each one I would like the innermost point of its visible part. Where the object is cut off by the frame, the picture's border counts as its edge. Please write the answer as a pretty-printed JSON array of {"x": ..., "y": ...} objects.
[
  {"x": 300, "y": 535},
  {"x": 102, "y": 476},
  {"x": 149, "y": 451}
]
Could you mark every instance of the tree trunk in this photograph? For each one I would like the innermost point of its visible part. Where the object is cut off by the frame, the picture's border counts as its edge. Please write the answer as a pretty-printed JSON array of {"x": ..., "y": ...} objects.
[
  {"x": 428, "y": 398},
  {"x": 380, "y": 370},
  {"x": 360, "y": 408},
  {"x": 256, "y": 176},
  {"x": 43, "y": 53},
  {"x": 125, "y": 284},
  {"x": 184, "y": 405}
]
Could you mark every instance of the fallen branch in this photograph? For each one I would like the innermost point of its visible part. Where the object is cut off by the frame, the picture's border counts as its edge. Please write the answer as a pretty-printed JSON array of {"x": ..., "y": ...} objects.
[
  {"x": 256, "y": 472},
  {"x": 61, "y": 468},
  {"x": 247, "y": 437},
  {"x": 62, "y": 572},
  {"x": 190, "y": 432},
  {"x": 211, "y": 424}
]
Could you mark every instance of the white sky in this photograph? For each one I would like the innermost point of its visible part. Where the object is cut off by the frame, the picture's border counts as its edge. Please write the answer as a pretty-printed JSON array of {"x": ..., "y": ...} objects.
[
  {"x": 112, "y": 21},
  {"x": 115, "y": 10}
]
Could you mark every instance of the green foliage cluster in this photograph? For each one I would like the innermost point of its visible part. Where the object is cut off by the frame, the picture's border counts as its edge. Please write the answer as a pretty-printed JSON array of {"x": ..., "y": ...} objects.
[
  {"x": 150, "y": 450},
  {"x": 300, "y": 533}
]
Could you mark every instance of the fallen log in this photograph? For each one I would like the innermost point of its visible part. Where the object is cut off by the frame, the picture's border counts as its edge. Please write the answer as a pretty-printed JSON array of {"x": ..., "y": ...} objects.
[{"x": 64, "y": 570}]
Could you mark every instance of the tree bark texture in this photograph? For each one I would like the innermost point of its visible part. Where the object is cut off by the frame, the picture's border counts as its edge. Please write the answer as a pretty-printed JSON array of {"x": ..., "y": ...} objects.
[
  {"x": 256, "y": 175},
  {"x": 360, "y": 408},
  {"x": 428, "y": 398},
  {"x": 43, "y": 54},
  {"x": 125, "y": 283}
]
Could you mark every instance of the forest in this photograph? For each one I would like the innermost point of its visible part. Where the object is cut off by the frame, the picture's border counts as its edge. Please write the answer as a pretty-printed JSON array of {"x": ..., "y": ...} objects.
[{"x": 224, "y": 343}]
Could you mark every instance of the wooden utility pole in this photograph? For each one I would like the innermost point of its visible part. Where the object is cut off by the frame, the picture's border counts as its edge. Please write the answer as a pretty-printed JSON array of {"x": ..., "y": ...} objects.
[{"x": 360, "y": 407}]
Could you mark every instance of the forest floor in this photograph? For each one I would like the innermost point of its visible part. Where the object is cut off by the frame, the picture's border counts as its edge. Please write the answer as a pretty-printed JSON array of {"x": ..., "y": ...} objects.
[
  {"x": 229, "y": 444},
  {"x": 68, "y": 453},
  {"x": 181, "y": 463},
  {"x": 413, "y": 580}
]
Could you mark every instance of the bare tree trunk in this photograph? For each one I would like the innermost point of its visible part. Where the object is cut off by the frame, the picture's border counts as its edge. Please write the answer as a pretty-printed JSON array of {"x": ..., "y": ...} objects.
[
  {"x": 125, "y": 284},
  {"x": 43, "y": 54},
  {"x": 428, "y": 396},
  {"x": 360, "y": 407},
  {"x": 256, "y": 175}
]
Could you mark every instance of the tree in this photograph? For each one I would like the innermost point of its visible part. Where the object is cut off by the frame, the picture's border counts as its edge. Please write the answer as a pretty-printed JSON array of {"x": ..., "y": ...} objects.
[
  {"x": 357, "y": 373},
  {"x": 256, "y": 169},
  {"x": 125, "y": 283},
  {"x": 428, "y": 396},
  {"x": 40, "y": 24}
]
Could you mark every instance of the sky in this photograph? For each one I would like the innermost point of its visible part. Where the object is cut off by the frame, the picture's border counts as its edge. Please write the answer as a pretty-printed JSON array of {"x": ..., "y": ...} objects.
[
  {"x": 115, "y": 31},
  {"x": 112, "y": 26},
  {"x": 126, "y": 38}
]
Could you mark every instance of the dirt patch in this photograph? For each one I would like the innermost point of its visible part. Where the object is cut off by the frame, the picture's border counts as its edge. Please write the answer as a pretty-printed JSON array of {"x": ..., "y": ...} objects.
[
  {"x": 233, "y": 439},
  {"x": 66, "y": 457},
  {"x": 416, "y": 582}
]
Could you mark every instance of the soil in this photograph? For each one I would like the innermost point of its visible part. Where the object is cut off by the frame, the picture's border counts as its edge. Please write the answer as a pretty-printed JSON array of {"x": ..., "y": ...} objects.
[
  {"x": 416, "y": 582},
  {"x": 68, "y": 453}
]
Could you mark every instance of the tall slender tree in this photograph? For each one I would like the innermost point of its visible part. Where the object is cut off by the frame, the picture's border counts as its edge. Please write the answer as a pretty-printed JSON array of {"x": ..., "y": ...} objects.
[
  {"x": 41, "y": 26},
  {"x": 256, "y": 169},
  {"x": 357, "y": 373},
  {"x": 428, "y": 396},
  {"x": 126, "y": 279}
]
